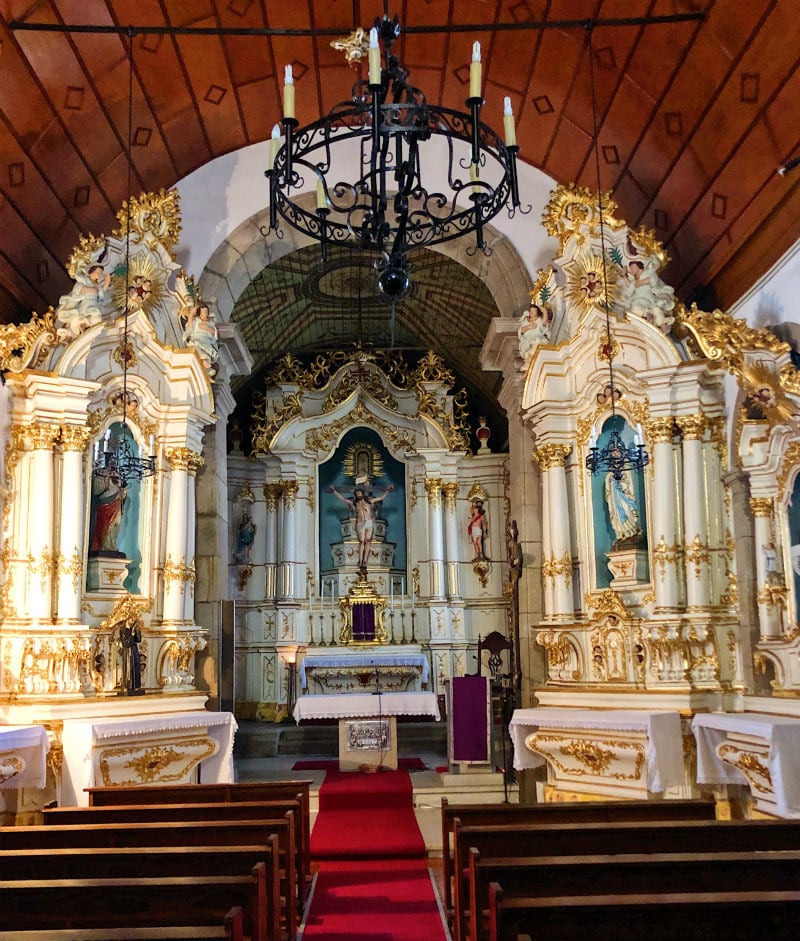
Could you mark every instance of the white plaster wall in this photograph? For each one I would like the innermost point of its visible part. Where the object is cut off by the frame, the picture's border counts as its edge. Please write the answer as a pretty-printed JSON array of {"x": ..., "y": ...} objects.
[{"x": 776, "y": 297}]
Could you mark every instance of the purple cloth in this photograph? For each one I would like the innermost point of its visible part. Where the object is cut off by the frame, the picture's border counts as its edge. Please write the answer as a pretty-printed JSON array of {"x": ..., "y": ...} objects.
[
  {"x": 469, "y": 717},
  {"x": 363, "y": 622}
]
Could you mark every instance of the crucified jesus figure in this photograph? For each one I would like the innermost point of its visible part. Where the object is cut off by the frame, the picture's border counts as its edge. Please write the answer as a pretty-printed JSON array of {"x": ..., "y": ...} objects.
[{"x": 361, "y": 505}]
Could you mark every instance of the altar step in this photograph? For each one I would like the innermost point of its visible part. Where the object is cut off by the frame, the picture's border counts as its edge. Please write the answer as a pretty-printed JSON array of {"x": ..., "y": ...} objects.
[{"x": 273, "y": 739}]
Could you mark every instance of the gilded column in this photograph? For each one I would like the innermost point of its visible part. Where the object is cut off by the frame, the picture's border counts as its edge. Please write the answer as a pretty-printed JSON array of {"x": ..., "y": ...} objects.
[
  {"x": 769, "y": 600},
  {"x": 557, "y": 556},
  {"x": 272, "y": 494},
  {"x": 74, "y": 439},
  {"x": 450, "y": 491},
  {"x": 40, "y": 528},
  {"x": 433, "y": 488},
  {"x": 718, "y": 517},
  {"x": 666, "y": 551},
  {"x": 176, "y": 568},
  {"x": 697, "y": 558},
  {"x": 289, "y": 581}
]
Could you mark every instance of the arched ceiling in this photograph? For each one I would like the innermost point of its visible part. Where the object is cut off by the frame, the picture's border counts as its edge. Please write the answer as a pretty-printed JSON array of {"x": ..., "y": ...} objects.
[
  {"x": 694, "y": 118},
  {"x": 301, "y": 306}
]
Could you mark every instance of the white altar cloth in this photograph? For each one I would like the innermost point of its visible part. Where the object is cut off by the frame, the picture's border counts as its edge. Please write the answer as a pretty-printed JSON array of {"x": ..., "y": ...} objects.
[
  {"x": 663, "y": 754},
  {"x": 783, "y": 760},
  {"x": 366, "y": 705},
  {"x": 25, "y": 745},
  {"x": 80, "y": 736},
  {"x": 367, "y": 660}
]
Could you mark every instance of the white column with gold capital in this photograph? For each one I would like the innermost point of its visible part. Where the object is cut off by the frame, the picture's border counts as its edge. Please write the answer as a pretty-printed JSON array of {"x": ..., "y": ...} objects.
[
  {"x": 190, "y": 571},
  {"x": 557, "y": 561},
  {"x": 666, "y": 552},
  {"x": 697, "y": 557},
  {"x": 769, "y": 613},
  {"x": 289, "y": 580},
  {"x": 176, "y": 569},
  {"x": 74, "y": 439},
  {"x": 433, "y": 488},
  {"x": 40, "y": 528},
  {"x": 272, "y": 494},
  {"x": 450, "y": 491}
]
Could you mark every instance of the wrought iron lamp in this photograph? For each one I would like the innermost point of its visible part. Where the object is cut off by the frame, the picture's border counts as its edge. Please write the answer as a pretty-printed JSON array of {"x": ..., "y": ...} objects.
[
  {"x": 388, "y": 206},
  {"x": 615, "y": 457},
  {"x": 120, "y": 460}
]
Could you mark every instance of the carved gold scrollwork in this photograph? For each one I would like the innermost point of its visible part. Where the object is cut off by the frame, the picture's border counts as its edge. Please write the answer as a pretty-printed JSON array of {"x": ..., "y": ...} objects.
[
  {"x": 433, "y": 488},
  {"x": 661, "y": 430},
  {"x": 180, "y": 572},
  {"x": 697, "y": 553},
  {"x": 25, "y": 345},
  {"x": 551, "y": 455},
  {"x": 751, "y": 766},
  {"x": 184, "y": 459},
  {"x": 594, "y": 758},
  {"x": 608, "y": 601},
  {"x": 553, "y": 567},
  {"x": 73, "y": 565},
  {"x": 290, "y": 490},
  {"x": 572, "y": 208},
  {"x": 664, "y": 555},
  {"x": 692, "y": 427},
  {"x": 74, "y": 437},
  {"x": 450, "y": 491},
  {"x": 789, "y": 467}
]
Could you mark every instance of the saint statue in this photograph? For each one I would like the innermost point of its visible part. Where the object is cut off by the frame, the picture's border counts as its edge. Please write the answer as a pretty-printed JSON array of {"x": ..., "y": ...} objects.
[
  {"x": 130, "y": 636},
  {"x": 622, "y": 510},
  {"x": 108, "y": 503},
  {"x": 476, "y": 529},
  {"x": 245, "y": 537}
]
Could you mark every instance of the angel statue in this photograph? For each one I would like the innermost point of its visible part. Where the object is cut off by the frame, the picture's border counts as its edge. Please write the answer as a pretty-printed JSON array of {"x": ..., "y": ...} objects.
[
  {"x": 200, "y": 333},
  {"x": 83, "y": 306}
]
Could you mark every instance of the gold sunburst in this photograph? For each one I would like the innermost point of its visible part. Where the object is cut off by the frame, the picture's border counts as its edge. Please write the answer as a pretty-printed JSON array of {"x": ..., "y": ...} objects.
[{"x": 588, "y": 284}]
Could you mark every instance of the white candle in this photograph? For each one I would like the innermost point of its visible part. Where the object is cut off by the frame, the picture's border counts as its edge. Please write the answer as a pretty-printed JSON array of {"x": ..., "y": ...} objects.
[
  {"x": 593, "y": 438},
  {"x": 96, "y": 450},
  {"x": 374, "y": 58},
  {"x": 152, "y": 444},
  {"x": 274, "y": 146},
  {"x": 508, "y": 123},
  {"x": 475, "y": 72},
  {"x": 474, "y": 175},
  {"x": 403, "y": 595},
  {"x": 637, "y": 438},
  {"x": 322, "y": 201},
  {"x": 391, "y": 593},
  {"x": 288, "y": 93}
]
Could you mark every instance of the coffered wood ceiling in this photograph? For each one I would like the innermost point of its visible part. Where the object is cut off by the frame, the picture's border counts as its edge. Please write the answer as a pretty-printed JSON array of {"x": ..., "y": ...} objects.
[{"x": 694, "y": 118}]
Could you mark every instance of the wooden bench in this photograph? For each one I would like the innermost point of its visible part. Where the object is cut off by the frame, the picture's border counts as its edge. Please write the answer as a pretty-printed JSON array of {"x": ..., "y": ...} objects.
[
  {"x": 732, "y": 916},
  {"x": 204, "y": 833},
  {"x": 626, "y": 874},
  {"x": 154, "y": 862},
  {"x": 214, "y": 793},
  {"x": 587, "y": 839},
  {"x": 159, "y": 813},
  {"x": 43, "y": 904},
  {"x": 589, "y": 812}
]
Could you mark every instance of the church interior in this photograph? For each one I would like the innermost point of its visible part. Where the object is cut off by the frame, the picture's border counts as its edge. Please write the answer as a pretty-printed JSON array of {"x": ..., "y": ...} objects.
[{"x": 399, "y": 465}]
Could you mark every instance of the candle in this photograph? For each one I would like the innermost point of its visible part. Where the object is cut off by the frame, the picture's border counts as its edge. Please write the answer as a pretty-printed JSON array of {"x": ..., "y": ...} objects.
[
  {"x": 637, "y": 438},
  {"x": 274, "y": 145},
  {"x": 474, "y": 175},
  {"x": 152, "y": 444},
  {"x": 391, "y": 594},
  {"x": 593, "y": 438},
  {"x": 322, "y": 200},
  {"x": 374, "y": 58},
  {"x": 106, "y": 439},
  {"x": 475, "y": 72},
  {"x": 288, "y": 93},
  {"x": 96, "y": 450},
  {"x": 508, "y": 124}
]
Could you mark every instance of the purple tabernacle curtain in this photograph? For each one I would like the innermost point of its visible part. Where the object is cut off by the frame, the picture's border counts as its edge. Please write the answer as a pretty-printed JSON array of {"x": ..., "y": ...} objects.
[
  {"x": 469, "y": 715},
  {"x": 363, "y": 622}
]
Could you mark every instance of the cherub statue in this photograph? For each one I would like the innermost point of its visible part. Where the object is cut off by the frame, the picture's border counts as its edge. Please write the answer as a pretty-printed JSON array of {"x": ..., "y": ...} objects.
[{"x": 83, "y": 306}]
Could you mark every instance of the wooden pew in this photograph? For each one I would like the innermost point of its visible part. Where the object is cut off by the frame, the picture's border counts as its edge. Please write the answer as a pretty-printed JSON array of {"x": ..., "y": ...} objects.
[
  {"x": 99, "y": 862},
  {"x": 581, "y": 839},
  {"x": 43, "y": 904},
  {"x": 204, "y": 833},
  {"x": 231, "y": 930},
  {"x": 157, "y": 813},
  {"x": 624, "y": 874},
  {"x": 733, "y": 916},
  {"x": 214, "y": 793},
  {"x": 589, "y": 812}
]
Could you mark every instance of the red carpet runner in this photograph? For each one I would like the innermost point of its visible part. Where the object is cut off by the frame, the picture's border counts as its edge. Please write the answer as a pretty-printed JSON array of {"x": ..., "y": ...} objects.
[{"x": 363, "y": 891}]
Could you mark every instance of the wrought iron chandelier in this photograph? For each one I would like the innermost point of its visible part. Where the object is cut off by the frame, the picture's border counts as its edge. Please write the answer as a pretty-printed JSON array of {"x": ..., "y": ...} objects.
[
  {"x": 615, "y": 457},
  {"x": 120, "y": 460},
  {"x": 388, "y": 205}
]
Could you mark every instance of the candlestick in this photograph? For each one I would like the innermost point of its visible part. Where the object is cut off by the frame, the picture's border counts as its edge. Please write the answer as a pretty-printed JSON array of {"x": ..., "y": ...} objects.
[
  {"x": 475, "y": 72},
  {"x": 322, "y": 200},
  {"x": 288, "y": 93},
  {"x": 508, "y": 123},
  {"x": 374, "y": 58}
]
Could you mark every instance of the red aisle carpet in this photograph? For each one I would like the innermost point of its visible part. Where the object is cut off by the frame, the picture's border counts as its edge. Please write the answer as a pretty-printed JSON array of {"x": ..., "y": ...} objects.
[
  {"x": 366, "y": 815},
  {"x": 363, "y": 891}
]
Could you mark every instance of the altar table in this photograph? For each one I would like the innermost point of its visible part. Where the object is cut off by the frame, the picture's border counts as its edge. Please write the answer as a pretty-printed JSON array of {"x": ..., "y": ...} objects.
[
  {"x": 23, "y": 756},
  {"x": 367, "y": 722},
  {"x": 620, "y": 751},
  {"x": 173, "y": 748},
  {"x": 356, "y": 671},
  {"x": 758, "y": 750}
]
